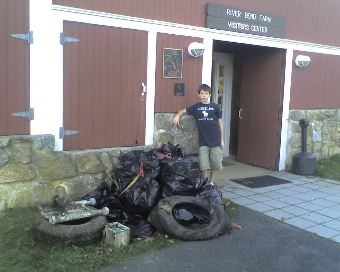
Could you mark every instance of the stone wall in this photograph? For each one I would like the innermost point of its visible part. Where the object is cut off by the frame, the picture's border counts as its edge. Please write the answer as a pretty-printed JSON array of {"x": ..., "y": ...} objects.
[
  {"x": 30, "y": 169},
  {"x": 323, "y": 133},
  {"x": 185, "y": 133}
]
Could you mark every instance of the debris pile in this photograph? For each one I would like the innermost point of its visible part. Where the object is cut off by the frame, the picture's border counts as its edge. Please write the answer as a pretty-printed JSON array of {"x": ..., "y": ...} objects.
[{"x": 162, "y": 175}]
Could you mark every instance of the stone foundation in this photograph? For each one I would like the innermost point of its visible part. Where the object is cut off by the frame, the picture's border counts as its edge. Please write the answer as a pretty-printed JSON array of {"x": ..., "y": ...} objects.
[
  {"x": 30, "y": 169},
  {"x": 323, "y": 133}
]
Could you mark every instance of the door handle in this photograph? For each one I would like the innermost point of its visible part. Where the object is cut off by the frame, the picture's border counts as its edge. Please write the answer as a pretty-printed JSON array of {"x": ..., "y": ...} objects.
[
  {"x": 144, "y": 89},
  {"x": 239, "y": 114}
]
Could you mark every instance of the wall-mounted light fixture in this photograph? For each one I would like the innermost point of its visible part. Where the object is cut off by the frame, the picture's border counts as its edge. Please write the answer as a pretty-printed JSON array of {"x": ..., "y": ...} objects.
[
  {"x": 302, "y": 61},
  {"x": 196, "y": 49}
]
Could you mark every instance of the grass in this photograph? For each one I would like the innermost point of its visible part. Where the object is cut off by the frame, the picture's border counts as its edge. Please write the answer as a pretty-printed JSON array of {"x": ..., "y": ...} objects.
[
  {"x": 20, "y": 253},
  {"x": 329, "y": 168}
]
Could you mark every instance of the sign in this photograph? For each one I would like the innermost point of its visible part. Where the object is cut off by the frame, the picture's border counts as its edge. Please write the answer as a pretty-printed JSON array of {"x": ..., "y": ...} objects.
[
  {"x": 245, "y": 21},
  {"x": 172, "y": 63}
]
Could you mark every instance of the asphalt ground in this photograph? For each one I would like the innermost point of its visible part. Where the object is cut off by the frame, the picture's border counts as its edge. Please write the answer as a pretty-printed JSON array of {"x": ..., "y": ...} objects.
[{"x": 264, "y": 244}]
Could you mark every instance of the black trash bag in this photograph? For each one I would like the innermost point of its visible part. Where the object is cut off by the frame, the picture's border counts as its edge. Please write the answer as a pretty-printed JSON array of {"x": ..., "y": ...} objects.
[
  {"x": 101, "y": 191},
  {"x": 144, "y": 229},
  {"x": 114, "y": 215},
  {"x": 152, "y": 168},
  {"x": 138, "y": 161},
  {"x": 173, "y": 150},
  {"x": 180, "y": 176},
  {"x": 178, "y": 185},
  {"x": 131, "y": 161},
  {"x": 130, "y": 218},
  {"x": 187, "y": 214},
  {"x": 121, "y": 179},
  {"x": 112, "y": 202},
  {"x": 142, "y": 196},
  {"x": 183, "y": 216},
  {"x": 208, "y": 191},
  {"x": 201, "y": 217}
]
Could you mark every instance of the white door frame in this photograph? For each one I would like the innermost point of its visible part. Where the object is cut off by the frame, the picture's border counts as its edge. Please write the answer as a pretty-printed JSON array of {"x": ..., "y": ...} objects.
[{"x": 226, "y": 60}]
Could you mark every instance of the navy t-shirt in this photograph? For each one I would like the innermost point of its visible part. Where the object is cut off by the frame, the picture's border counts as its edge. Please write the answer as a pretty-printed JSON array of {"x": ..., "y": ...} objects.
[{"x": 206, "y": 116}]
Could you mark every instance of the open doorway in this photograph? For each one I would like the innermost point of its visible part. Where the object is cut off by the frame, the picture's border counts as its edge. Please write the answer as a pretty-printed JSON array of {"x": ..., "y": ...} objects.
[{"x": 249, "y": 89}]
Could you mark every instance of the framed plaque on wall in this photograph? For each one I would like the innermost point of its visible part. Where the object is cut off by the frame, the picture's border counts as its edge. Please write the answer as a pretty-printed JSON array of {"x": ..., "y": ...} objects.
[{"x": 172, "y": 63}]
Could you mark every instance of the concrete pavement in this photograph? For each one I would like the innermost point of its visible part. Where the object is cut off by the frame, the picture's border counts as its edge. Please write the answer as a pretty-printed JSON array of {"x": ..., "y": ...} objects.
[
  {"x": 290, "y": 228},
  {"x": 264, "y": 244}
]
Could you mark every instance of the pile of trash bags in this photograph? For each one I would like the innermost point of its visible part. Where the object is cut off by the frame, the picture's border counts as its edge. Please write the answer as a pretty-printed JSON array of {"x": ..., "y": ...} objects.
[{"x": 146, "y": 177}]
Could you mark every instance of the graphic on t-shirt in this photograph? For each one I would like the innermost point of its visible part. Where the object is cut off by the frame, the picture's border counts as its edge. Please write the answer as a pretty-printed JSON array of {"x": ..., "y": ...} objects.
[{"x": 205, "y": 113}]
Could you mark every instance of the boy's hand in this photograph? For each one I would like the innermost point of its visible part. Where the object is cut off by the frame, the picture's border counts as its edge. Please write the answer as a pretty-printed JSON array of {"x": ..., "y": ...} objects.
[
  {"x": 222, "y": 144},
  {"x": 176, "y": 120}
]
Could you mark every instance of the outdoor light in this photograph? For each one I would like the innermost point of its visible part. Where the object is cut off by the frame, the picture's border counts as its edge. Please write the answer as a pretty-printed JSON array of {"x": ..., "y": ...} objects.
[
  {"x": 302, "y": 61},
  {"x": 196, "y": 49}
]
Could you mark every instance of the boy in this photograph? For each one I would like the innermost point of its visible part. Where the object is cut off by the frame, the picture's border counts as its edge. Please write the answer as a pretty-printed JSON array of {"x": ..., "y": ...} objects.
[{"x": 210, "y": 132}]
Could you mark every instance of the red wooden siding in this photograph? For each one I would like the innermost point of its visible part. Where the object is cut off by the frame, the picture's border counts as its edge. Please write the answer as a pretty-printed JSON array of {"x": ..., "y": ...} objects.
[
  {"x": 316, "y": 86},
  {"x": 14, "y": 67},
  {"x": 310, "y": 21},
  {"x": 103, "y": 74},
  {"x": 165, "y": 101}
]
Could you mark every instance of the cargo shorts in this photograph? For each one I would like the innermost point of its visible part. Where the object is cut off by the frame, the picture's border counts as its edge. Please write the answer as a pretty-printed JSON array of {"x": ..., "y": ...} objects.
[{"x": 210, "y": 158}]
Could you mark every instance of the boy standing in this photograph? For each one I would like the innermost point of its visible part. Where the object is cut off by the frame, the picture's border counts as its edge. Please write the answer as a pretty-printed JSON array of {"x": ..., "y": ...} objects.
[{"x": 210, "y": 132}]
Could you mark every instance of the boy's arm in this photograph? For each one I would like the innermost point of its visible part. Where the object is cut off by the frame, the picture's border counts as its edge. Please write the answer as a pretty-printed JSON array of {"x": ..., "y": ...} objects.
[
  {"x": 220, "y": 122},
  {"x": 178, "y": 115}
]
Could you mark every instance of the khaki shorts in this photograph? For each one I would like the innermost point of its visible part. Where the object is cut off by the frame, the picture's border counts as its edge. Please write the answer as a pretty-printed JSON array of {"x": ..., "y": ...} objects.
[{"x": 210, "y": 158}]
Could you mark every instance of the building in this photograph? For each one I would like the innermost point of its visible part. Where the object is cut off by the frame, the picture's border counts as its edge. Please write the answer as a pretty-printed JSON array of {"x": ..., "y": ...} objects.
[{"x": 117, "y": 70}]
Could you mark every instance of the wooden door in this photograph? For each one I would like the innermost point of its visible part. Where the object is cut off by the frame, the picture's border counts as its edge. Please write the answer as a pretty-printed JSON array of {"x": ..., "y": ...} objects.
[
  {"x": 260, "y": 107},
  {"x": 103, "y": 76},
  {"x": 14, "y": 67}
]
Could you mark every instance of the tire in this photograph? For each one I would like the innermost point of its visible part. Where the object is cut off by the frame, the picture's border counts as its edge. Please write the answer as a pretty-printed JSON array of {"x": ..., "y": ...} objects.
[
  {"x": 154, "y": 219},
  {"x": 79, "y": 232},
  {"x": 162, "y": 218}
]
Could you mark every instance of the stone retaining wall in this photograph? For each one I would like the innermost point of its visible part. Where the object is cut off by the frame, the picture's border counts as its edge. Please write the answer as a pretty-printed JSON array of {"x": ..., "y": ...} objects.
[
  {"x": 30, "y": 169},
  {"x": 323, "y": 133}
]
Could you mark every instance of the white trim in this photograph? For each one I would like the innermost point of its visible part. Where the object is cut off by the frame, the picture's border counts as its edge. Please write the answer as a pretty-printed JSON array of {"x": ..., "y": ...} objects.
[
  {"x": 102, "y": 18},
  {"x": 207, "y": 60},
  {"x": 151, "y": 88},
  {"x": 46, "y": 73},
  {"x": 285, "y": 109}
]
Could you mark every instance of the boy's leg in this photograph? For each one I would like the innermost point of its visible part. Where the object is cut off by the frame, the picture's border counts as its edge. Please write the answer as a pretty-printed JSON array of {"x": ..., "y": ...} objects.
[
  {"x": 216, "y": 162},
  {"x": 204, "y": 173},
  {"x": 204, "y": 160},
  {"x": 212, "y": 175}
]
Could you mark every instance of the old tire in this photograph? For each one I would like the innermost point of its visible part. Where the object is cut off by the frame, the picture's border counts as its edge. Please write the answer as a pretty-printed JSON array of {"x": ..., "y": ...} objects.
[
  {"x": 162, "y": 218},
  {"x": 79, "y": 232}
]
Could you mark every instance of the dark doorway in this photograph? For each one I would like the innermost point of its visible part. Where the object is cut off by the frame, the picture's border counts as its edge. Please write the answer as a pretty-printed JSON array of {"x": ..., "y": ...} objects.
[{"x": 257, "y": 90}]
